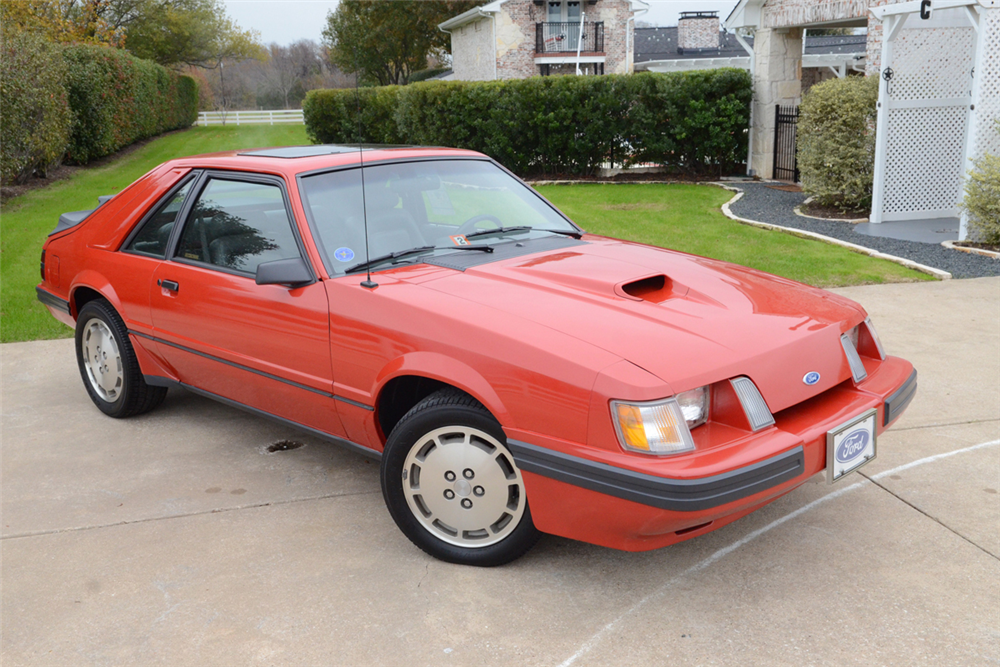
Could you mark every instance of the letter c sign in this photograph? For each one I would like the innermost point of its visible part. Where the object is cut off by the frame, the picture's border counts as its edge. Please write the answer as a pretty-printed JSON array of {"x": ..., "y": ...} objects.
[{"x": 925, "y": 9}]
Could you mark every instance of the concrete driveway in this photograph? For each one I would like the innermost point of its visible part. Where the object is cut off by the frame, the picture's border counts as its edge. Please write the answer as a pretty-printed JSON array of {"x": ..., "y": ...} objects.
[{"x": 176, "y": 538}]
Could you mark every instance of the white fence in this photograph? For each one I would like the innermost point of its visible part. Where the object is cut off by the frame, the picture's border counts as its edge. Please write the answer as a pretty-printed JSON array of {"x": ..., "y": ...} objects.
[{"x": 277, "y": 117}]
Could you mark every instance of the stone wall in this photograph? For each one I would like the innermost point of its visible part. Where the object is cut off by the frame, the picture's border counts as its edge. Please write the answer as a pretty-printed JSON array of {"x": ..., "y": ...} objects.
[
  {"x": 777, "y": 80},
  {"x": 794, "y": 13},
  {"x": 615, "y": 14},
  {"x": 472, "y": 51},
  {"x": 698, "y": 33}
]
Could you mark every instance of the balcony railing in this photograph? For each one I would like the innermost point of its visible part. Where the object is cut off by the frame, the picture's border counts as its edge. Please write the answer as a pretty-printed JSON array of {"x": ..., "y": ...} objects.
[{"x": 568, "y": 37}]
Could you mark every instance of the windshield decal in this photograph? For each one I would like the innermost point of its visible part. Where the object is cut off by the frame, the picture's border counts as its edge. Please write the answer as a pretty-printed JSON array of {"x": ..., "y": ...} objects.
[
  {"x": 459, "y": 240},
  {"x": 343, "y": 254}
]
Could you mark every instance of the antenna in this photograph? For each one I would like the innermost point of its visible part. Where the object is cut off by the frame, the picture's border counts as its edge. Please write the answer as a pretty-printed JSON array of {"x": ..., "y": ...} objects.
[{"x": 367, "y": 282}]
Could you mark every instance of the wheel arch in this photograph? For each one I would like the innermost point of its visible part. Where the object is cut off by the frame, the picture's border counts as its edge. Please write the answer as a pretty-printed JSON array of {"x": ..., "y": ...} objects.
[
  {"x": 409, "y": 379},
  {"x": 88, "y": 286}
]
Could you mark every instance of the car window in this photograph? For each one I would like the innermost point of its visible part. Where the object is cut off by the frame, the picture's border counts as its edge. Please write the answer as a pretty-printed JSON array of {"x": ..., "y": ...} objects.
[
  {"x": 417, "y": 204},
  {"x": 237, "y": 225},
  {"x": 152, "y": 238}
]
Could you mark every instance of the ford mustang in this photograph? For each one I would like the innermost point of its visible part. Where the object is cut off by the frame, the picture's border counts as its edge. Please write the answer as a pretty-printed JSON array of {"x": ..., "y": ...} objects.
[{"x": 514, "y": 374}]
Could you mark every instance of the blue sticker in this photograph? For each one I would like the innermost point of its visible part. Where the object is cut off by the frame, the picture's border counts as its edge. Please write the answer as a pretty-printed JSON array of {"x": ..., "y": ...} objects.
[{"x": 344, "y": 254}]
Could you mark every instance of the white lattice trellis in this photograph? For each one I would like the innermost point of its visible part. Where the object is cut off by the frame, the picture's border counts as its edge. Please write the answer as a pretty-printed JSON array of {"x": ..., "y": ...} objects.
[
  {"x": 939, "y": 94},
  {"x": 985, "y": 138}
]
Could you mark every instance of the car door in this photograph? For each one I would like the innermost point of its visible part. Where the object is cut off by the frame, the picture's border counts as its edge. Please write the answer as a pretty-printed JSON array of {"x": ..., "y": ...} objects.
[{"x": 263, "y": 346}]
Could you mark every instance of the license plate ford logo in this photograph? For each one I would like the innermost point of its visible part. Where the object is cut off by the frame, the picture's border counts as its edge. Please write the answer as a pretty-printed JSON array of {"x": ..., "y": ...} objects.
[
  {"x": 853, "y": 445},
  {"x": 850, "y": 445}
]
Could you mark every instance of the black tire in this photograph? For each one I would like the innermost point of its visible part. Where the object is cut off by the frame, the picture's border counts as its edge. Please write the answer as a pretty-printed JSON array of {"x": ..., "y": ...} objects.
[
  {"x": 126, "y": 393},
  {"x": 429, "y": 429}
]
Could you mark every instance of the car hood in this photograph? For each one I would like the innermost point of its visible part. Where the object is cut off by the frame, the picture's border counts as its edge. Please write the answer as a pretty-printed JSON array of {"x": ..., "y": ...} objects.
[{"x": 686, "y": 319}]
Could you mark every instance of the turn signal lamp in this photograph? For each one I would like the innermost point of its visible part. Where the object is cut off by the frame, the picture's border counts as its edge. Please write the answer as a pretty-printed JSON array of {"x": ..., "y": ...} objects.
[{"x": 661, "y": 427}]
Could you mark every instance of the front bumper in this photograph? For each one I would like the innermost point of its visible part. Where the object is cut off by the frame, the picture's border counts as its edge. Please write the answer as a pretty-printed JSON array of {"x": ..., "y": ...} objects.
[{"x": 597, "y": 501}]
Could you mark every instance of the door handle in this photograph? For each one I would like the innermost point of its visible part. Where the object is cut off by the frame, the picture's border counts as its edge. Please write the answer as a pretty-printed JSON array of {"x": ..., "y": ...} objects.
[{"x": 168, "y": 284}]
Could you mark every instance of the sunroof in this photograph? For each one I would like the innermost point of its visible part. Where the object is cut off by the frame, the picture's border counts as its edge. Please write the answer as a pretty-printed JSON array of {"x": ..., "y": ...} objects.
[{"x": 302, "y": 151}]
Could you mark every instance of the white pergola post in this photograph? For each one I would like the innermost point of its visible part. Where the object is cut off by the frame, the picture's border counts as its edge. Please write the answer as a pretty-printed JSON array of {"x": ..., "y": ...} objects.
[{"x": 891, "y": 25}]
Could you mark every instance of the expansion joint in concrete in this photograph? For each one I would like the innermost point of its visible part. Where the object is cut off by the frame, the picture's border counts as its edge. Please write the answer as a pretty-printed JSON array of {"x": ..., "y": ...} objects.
[
  {"x": 932, "y": 518},
  {"x": 275, "y": 503}
]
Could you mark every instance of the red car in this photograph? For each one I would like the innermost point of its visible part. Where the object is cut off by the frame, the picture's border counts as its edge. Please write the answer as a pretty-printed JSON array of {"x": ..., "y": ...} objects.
[{"x": 513, "y": 373}]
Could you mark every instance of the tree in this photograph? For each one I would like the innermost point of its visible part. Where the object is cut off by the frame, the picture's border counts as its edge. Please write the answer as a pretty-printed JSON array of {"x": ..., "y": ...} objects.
[
  {"x": 189, "y": 32},
  {"x": 169, "y": 32},
  {"x": 288, "y": 69},
  {"x": 65, "y": 21},
  {"x": 385, "y": 42}
]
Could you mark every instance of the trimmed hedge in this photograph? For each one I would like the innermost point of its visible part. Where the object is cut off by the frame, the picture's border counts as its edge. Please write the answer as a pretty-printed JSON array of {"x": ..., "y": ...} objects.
[
  {"x": 836, "y": 141},
  {"x": 81, "y": 102},
  {"x": 119, "y": 99},
  {"x": 36, "y": 120},
  {"x": 695, "y": 122}
]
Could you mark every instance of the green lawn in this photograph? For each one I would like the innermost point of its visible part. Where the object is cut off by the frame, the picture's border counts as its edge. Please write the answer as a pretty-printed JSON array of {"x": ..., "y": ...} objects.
[
  {"x": 683, "y": 217},
  {"x": 688, "y": 218},
  {"x": 26, "y": 220}
]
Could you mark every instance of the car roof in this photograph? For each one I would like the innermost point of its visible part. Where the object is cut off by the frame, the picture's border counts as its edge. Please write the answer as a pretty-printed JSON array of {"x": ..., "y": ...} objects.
[{"x": 292, "y": 160}]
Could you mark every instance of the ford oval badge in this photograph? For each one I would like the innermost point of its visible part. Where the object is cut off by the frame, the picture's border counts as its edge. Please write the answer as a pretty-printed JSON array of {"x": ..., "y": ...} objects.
[
  {"x": 811, "y": 378},
  {"x": 852, "y": 445}
]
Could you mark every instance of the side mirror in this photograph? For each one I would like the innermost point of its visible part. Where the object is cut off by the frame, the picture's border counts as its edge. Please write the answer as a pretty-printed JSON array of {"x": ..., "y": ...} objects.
[{"x": 292, "y": 272}]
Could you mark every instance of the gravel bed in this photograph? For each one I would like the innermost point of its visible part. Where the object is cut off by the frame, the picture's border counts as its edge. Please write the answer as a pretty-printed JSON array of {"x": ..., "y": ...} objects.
[{"x": 765, "y": 204}]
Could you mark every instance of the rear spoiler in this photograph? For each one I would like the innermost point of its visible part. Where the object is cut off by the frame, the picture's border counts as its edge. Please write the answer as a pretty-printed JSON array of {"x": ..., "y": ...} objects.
[{"x": 68, "y": 220}]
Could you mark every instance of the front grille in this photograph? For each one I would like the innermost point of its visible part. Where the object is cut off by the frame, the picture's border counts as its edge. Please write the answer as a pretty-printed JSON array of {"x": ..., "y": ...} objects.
[
  {"x": 857, "y": 368},
  {"x": 753, "y": 403}
]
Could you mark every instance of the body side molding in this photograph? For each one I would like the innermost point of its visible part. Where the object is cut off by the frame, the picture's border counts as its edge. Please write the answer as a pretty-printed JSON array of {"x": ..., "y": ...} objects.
[{"x": 159, "y": 381}]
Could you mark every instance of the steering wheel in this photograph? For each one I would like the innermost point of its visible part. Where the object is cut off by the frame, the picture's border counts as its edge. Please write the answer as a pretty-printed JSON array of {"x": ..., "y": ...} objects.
[{"x": 469, "y": 225}]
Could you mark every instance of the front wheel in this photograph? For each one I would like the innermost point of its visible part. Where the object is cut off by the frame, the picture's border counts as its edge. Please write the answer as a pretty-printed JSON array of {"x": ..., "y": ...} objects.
[{"x": 452, "y": 486}]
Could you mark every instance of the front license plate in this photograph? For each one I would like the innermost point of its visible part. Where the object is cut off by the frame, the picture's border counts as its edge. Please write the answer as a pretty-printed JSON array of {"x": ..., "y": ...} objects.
[{"x": 850, "y": 445}]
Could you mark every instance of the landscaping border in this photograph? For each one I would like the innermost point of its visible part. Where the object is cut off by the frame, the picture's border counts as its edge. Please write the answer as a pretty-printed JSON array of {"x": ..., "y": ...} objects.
[
  {"x": 930, "y": 270},
  {"x": 798, "y": 211},
  {"x": 952, "y": 245}
]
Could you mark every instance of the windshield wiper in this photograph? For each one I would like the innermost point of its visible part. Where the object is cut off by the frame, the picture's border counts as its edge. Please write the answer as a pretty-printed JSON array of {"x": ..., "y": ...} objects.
[
  {"x": 399, "y": 254},
  {"x": 524, "y": 228},
  {"x": 484, "y": 248},
  {"x": 575, "y": 233},
  {"x": 499, "y": 230}
]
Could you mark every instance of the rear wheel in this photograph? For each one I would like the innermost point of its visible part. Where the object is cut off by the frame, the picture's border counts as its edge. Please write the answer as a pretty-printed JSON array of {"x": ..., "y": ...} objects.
[
  {"x": 108, "y": 365},
  {"x": 452, "y": 486}
]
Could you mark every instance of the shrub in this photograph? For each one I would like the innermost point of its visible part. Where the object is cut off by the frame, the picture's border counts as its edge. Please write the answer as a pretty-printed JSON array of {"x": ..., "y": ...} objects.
[
  {"x": 118, "y": 99},
  {"x": 836, "y": 141},
  {"x": 36, "y": 121},
  {"x": 332, "y": 115},
  {"x": 693, "y": 122},
  {"x": 982, "y": 199}
]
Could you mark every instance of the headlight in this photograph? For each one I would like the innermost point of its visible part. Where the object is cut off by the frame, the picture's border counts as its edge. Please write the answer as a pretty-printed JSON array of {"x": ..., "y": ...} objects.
[
  {"x": 853, "y": 335},
  {"x": 875, "y": 338},
  {"x": 661, "y": 427}
]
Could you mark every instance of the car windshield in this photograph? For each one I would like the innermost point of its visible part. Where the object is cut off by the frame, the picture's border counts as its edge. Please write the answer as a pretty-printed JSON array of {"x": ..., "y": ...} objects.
[{"x": 436, "y": 203}]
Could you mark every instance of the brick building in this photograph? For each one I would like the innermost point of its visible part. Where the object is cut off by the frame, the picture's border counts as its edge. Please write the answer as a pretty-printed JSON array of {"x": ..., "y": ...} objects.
[{"x": 516, "y": 39}]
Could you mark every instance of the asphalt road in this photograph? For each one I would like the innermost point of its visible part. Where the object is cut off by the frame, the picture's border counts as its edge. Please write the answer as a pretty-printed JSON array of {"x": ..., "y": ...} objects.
[{"x": 176, "y": 538}]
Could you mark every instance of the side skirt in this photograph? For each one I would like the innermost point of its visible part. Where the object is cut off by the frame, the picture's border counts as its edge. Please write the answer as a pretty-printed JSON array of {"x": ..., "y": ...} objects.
[{"x": 158, "y": 381}]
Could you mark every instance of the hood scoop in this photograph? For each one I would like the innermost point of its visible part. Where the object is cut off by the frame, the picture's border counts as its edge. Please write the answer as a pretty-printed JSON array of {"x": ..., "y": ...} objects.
[{"x": 656, "y": 288}]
